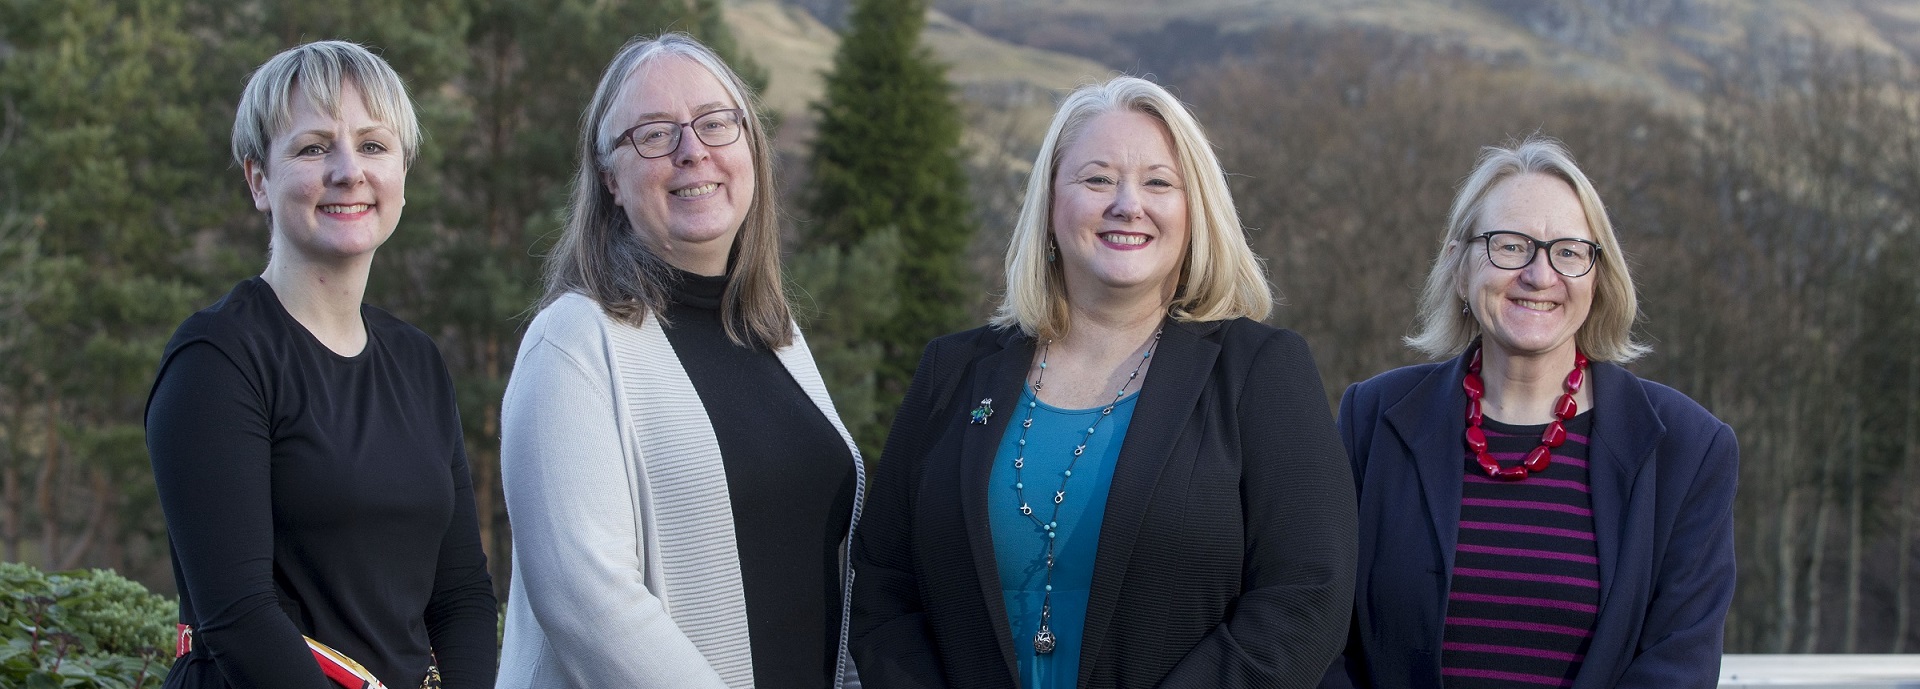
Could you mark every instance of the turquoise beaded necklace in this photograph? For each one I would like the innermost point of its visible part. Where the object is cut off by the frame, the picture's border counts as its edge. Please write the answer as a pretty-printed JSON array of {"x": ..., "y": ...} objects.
[{"x": 1043, "y": 640}]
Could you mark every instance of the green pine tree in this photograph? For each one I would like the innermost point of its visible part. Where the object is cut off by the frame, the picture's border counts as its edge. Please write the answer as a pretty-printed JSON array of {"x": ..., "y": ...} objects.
[
  {"x": 104, "y": 169},
  {"x": 887, "y": 158},
  {"x": 837, "y": 299}
]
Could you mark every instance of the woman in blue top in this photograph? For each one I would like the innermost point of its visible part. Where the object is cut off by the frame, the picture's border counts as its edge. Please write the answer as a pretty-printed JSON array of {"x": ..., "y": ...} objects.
[{"x": 1125, "y": 479}]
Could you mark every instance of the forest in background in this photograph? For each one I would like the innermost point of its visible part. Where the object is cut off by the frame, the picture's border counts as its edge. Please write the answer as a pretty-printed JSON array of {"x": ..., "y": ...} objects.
[{"x": 1770, "y": 227}]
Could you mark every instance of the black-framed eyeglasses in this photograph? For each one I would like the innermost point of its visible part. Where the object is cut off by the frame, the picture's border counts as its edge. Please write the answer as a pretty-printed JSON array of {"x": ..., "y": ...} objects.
[
  {"x": 662, "y": 138},
  {"x": 1569, "y": 256}
]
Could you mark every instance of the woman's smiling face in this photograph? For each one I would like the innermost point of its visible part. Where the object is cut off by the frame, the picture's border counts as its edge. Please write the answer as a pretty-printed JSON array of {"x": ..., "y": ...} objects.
[
  {"x": 1532, "y": 311},
  {"x": 689, "y": 204},
  {"x": 334, "y": 185},
  {"x": 1120, "y": 207}
]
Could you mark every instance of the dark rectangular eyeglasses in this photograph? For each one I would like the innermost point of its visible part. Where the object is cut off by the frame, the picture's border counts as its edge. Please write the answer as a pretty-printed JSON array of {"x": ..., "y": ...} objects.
[
  {"x": 1569, "y": 256},
  {"x": 662, "y": 138}
]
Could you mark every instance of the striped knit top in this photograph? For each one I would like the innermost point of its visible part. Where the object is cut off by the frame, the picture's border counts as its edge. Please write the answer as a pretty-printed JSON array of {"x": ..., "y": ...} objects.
[{"x": 1526, "y": 575}]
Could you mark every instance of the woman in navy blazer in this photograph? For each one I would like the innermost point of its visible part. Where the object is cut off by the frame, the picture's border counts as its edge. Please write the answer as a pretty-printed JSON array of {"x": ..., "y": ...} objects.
[
  {"x": 1208, "y": 544},
  {"x": 1604, "y": 559}
]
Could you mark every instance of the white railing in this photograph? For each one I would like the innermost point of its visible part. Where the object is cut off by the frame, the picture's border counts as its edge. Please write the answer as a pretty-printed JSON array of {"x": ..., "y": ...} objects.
[{"x": 1820, "y": 671}]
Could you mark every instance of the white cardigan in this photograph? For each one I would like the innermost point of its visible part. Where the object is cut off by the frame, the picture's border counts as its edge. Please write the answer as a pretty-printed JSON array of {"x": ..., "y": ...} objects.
[{"x": 625, "y": 571}]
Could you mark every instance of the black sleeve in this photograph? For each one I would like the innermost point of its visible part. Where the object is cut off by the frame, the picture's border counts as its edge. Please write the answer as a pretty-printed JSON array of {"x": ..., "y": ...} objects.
[
  {"x": 462, "y": 614},
  {"x": 1290, "y": 619},
  {"x": 208, "y": 438},
  {"x": 890, "y": 639}
]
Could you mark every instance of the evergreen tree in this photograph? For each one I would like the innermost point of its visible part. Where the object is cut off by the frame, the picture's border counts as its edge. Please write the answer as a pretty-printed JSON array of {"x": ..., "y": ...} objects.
[
  {"x": 105, "y": 157},
  {"x": 887, "y": 158},
  {"x": 837, "y": 299}
]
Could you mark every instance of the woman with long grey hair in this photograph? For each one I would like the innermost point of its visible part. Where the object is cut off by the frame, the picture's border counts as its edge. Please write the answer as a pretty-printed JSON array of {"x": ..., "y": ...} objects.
[{"x": 680, "y": 486}]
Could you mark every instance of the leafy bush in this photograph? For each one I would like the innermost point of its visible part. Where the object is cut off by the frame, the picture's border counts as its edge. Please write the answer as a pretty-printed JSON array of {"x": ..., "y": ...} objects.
[{"x": 84, "y": 629}]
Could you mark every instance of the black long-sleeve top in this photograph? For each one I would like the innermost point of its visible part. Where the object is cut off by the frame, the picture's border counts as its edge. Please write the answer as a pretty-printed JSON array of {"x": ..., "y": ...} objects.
[
  {"x": 309, "y": 493},
  {"x": 791, "y": 481}
]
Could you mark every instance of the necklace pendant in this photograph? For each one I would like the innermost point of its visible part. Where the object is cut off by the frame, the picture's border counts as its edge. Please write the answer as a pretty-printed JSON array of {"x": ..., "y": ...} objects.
[{"x": 1043, "y": 640}]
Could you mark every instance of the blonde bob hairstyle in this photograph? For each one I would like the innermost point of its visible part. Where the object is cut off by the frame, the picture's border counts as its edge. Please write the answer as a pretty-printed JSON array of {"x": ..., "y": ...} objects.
[
  {"x": 602, "y": 255},
  {"x": 321, "y": 69},
  {"x": 1220, "y": 277},
  {"x": 1446, "y": 331}
]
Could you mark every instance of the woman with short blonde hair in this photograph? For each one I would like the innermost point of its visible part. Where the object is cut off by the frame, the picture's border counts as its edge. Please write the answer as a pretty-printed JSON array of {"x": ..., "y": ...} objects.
[{"x": 307, "y": 447}]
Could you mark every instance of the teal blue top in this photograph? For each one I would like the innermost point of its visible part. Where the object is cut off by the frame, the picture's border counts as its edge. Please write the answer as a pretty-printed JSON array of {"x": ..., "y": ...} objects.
[{"x": 1020, "y": 545}]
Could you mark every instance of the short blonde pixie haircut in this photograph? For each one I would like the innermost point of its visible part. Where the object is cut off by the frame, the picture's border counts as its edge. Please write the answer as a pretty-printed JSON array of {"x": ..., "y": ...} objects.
[
  {"x": 1446, "y": 331},
  {"x": 321, "y": 69},
  {"x": 1220, "y": 277}
]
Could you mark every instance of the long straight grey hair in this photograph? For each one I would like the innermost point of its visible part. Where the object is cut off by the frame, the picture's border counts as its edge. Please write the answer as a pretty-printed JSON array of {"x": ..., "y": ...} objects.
[{"x": 602, "y": 255}]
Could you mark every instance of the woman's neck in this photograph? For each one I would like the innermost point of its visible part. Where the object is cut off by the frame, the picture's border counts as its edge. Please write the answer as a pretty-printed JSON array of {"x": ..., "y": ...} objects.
[
  {"x": 1521, "y": 390},
  {"x": 1103, "y": 345},
  {"x": 323, "y": 299}
]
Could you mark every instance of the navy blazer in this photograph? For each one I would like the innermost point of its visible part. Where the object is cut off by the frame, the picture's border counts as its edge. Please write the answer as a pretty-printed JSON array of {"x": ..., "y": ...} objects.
[
  {"x": 1662, "y": 470},
  {"x": 1226, "y": 558}
]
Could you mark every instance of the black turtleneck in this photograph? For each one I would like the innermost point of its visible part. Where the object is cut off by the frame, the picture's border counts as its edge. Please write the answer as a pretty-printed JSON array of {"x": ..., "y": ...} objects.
[{"x": 790, "y": 478}]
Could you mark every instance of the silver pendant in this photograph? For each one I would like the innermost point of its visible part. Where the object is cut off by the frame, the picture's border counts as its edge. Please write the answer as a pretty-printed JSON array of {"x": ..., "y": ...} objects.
[{"x": 1043, "y": 640}]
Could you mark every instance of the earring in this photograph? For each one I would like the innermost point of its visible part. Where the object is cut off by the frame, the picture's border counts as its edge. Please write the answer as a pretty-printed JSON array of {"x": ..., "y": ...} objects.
[
  {"x": 1050, "y": 250},
  {"x": 1464, "y": 309}
]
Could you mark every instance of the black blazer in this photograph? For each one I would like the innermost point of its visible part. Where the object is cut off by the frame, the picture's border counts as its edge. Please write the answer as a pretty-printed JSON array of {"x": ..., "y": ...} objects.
[
  {"x": 1662, "y": 472},
  {"x": 1226, "y": 558}
]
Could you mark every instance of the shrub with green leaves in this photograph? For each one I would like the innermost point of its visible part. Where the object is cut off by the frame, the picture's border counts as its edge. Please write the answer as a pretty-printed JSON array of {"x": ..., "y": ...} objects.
[{"x": 83, "y": 629}]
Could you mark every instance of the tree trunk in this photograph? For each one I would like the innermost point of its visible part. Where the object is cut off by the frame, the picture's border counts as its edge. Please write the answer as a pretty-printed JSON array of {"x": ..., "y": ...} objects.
[
  {"x": 1786, "y": 531},
  {"x": 486, "y": 464},
  {"x": 500, "y": 74},
  {"x": 44, "y": 488},
  {"x": 1903, "y": 583},
  {"x": 1789, "y": 611},
  {"x": 1851, "y": 641},
  {"x": 1816, "y": 553},
  {"x": 103, "y": 498},
  {"x": 13, "y": 505}
]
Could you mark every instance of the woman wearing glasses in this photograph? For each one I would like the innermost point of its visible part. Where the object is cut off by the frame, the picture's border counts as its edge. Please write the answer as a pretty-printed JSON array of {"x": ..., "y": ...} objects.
[
  {"x": 680, "y": 485},
  {"x": 1532, "y": 514}
]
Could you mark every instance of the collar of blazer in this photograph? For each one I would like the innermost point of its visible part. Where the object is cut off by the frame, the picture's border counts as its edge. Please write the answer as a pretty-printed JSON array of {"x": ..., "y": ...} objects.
[
  {"x": 1430, "y": 419},
  {"x": 1168, "y": 395}
]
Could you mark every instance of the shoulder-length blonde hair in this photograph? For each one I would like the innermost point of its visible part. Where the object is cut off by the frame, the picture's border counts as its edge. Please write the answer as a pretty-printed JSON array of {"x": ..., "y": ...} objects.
[
  {"x": 1220, "y": 277},
  {"x": 1445, "y": 331},
  {"x": 601, "y": 255}
]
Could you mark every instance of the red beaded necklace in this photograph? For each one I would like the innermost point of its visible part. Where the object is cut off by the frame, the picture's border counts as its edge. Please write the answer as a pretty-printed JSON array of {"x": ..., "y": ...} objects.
[{"x": 1556, "y": 434}]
